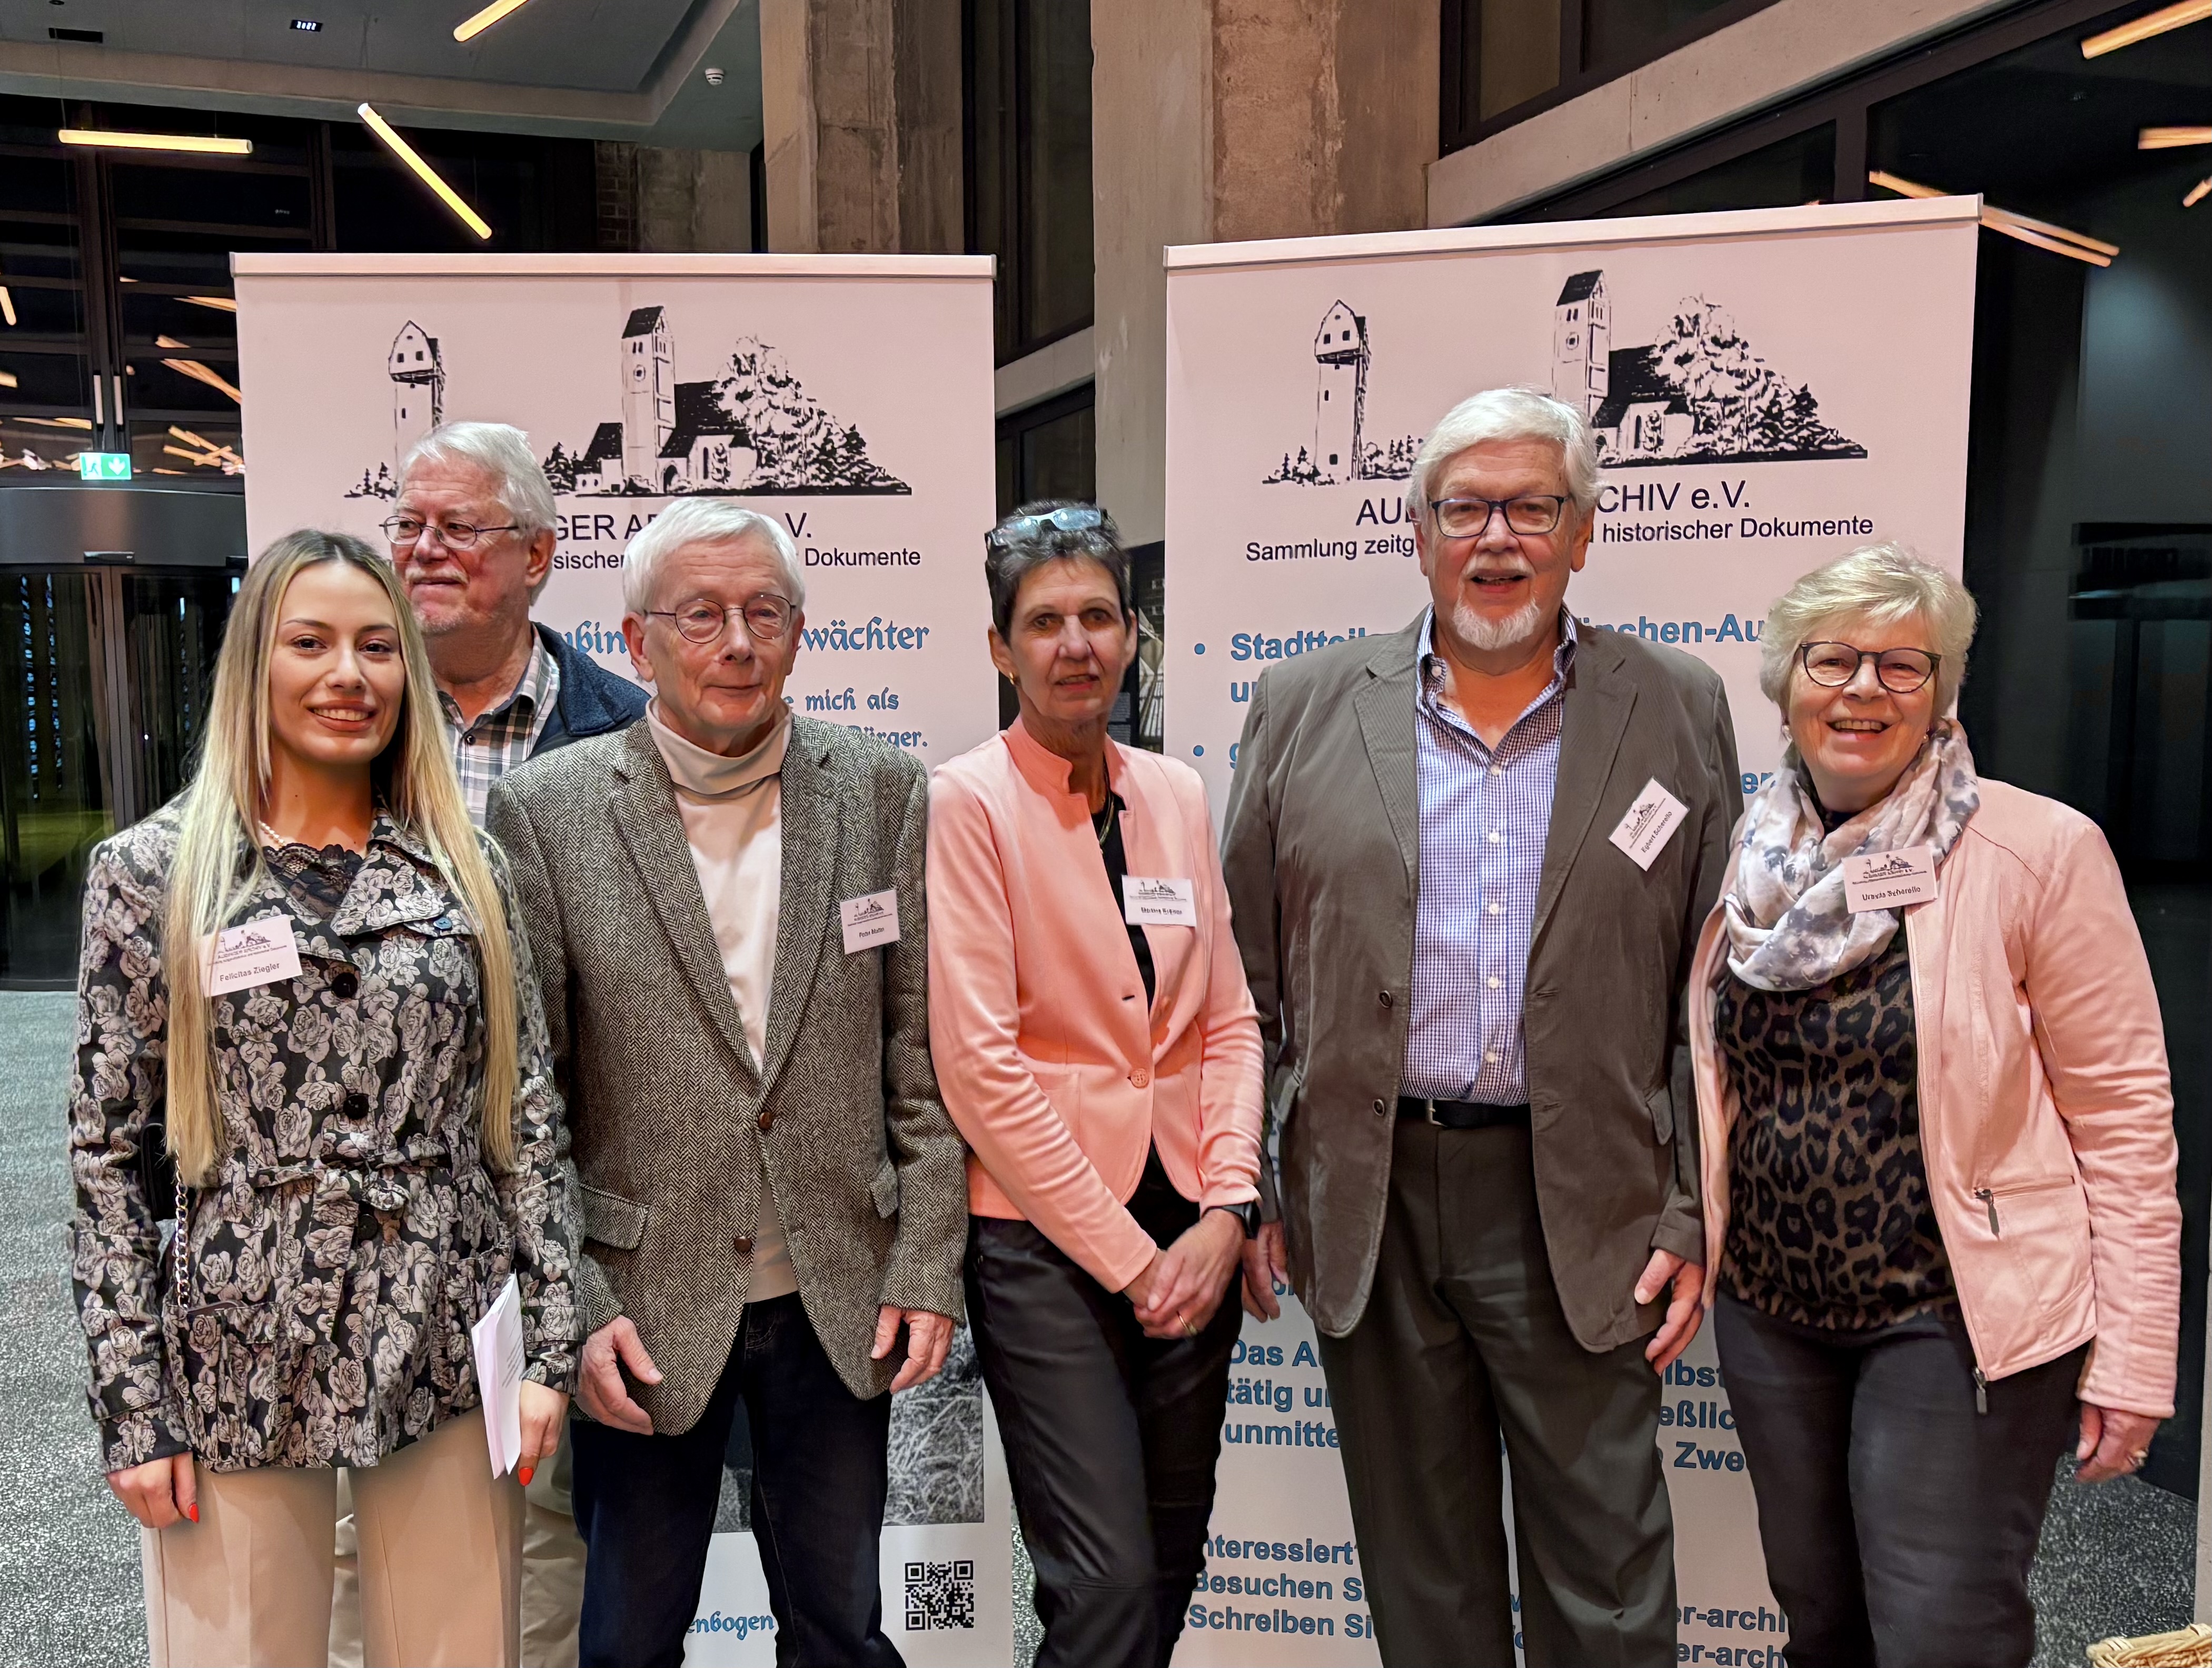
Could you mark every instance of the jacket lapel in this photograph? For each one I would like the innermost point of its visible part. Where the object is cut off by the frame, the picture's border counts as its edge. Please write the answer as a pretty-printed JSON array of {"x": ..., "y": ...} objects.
[
  {"x": 644, "y": 806},
  {"x": 811, "y": 839},
  {"x": 1598, "y": 703},
  {"x": 1385, "y": 706}
]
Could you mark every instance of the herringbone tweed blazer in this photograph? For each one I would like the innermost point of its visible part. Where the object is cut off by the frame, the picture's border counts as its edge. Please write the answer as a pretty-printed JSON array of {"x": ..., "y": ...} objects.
[{"x": 672, "y": 1123}]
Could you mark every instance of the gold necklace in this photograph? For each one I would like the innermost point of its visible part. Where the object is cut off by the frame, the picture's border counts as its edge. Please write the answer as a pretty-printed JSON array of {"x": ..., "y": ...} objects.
[{"x": 1106, "y": 829}]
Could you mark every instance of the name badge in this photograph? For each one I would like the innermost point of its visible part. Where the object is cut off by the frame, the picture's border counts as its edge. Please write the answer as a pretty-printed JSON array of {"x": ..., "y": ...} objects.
[
  {"x": 1148, "y": 902},
  {"x": 253, "y": 952},
  {"x": 869, "y": 920},
  {"x": 1890, "y": 880},
  {"x": 1656, "y": 814}
]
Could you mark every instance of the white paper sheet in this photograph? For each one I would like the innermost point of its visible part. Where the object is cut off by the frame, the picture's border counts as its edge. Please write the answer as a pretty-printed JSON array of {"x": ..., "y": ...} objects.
[{"x": 497, "y": 1341}]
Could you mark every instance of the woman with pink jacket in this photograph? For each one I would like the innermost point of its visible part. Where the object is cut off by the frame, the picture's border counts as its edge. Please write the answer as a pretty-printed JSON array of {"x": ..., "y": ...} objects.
[
  {"x": 1942, "y": 1242},
  {"x": 1096, "y": 1044}
]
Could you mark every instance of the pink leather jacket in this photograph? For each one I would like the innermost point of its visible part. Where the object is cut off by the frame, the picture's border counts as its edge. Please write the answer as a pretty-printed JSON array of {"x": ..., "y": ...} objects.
[{"x": 2046, "y": 1120}]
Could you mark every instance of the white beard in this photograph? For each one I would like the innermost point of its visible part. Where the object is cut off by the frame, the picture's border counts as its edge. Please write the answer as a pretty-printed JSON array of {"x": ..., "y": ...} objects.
[{"x": 1481, "y": 631}]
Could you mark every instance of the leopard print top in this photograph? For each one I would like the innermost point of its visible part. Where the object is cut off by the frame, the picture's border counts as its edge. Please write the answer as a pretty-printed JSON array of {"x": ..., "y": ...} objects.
[{"x": 1829, "y": 1219}]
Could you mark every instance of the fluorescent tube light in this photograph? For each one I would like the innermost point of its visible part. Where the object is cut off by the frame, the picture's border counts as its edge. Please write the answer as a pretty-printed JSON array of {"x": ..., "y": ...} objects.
[
  {"x": 2036, "y": 233},
  {"x": 2151, "y": 23},
  {"x": 429, "y": 176},
  {"x": 2196, "y": 194},
  {"x": 201, "y": 144},
  {"x": 2171, "y": 139},
  {"x": 469, "y": 28},
  {"x": 8, "y": 379},
  {"x": 6, "y": 306},
  {"x": 194, "y": 369},
  {"x": 220, "y": 303}
]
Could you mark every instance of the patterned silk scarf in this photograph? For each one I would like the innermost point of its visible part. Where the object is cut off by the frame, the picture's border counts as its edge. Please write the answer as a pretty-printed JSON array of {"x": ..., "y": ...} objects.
[{"x": 1788, "y": 925}]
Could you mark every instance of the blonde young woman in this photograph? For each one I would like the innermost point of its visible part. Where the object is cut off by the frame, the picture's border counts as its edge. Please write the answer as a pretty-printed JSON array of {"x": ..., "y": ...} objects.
[
  {"x": 366, "y": 1144},
  {"x": 1942, "y": 1236}
]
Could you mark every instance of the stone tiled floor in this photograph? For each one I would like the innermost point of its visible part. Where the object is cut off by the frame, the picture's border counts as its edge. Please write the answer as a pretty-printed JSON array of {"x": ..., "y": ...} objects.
[{"x": 2115, "y": 1558}]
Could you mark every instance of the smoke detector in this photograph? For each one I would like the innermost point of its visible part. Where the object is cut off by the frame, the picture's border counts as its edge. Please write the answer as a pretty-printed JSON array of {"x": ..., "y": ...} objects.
[{"x": 714, "y": 76}]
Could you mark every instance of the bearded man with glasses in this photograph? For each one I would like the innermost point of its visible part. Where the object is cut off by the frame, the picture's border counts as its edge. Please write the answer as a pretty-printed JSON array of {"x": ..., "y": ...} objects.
[
  {"x": 725, "y": 907},
  {"x": 1467, "y": 863},
  {"x": 472, "y": 533}
]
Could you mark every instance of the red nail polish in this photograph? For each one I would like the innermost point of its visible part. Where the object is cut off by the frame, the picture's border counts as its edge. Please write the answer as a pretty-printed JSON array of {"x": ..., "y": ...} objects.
[
  {"x": 525, "y": 1474},
  {"x": 193, "y": 1511}
]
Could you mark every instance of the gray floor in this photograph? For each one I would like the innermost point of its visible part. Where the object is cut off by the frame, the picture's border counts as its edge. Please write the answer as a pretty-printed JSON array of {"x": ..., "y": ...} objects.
[{"x": 2114, "y": 1559}]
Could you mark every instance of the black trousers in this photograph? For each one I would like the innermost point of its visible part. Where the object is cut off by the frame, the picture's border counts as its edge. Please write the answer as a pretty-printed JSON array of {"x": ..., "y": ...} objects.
[
  {"x": 1110, "y": 1436},
  {"x": 645, "y": 1506},
  {"x": 1898, "y": 1521},
  {"x": 1463, "y": 1343}
]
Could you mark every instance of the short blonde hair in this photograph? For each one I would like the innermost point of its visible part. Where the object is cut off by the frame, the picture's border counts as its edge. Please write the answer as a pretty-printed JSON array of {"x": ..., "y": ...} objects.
[{"x": 1883, "y": 585}]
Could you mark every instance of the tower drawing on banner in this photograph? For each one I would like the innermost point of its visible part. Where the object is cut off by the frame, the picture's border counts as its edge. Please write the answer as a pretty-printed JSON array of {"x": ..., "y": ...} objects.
[
  {"x": 641, "y": 380},
  {"x": 1767, "y": 391}
]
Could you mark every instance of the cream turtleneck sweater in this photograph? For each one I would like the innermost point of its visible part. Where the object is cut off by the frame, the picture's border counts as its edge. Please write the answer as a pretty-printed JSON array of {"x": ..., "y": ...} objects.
[{"x": 733, "y": 812}]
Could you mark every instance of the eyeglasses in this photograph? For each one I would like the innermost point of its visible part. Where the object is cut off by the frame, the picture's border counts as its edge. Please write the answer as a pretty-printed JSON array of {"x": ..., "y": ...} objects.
[
  {"x": 1832, "y": 665},
  {"x": 1469, "y": 518},
  {"x": 1069, "y": 518},
  {"x": 404, "y": 529},
  {"x": 702, "y": 620}
]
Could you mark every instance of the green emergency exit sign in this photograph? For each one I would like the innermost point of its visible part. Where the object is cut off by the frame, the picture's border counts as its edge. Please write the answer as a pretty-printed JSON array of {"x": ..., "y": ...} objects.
[{"x": 103, "y": 465}]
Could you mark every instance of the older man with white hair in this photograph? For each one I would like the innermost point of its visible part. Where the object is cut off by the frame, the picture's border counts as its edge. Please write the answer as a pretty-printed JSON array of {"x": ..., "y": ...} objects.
[
  {"x": 1468, "y": 862},
  {"x": 725, "y": 907},
  {"x": 472, "y": 535}
]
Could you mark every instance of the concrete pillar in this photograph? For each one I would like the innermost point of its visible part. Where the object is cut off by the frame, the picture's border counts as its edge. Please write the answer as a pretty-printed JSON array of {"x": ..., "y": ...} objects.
[
  {"x": 662, "y": 201},
  {"x": 1226, "y": 120},
  {"x": 860, "y": 116}
]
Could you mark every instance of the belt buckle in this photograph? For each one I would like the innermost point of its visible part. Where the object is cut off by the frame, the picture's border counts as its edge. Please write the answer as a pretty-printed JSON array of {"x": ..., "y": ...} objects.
[{"x": 1429, "y": 1111}]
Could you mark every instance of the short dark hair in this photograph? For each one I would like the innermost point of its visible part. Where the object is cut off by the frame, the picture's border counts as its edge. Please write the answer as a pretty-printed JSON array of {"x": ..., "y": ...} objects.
[{"x": 1009, "y": 558}]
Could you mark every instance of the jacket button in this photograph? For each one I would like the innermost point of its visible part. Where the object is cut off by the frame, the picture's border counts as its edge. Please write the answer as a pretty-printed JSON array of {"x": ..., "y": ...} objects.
[
  {"x": 1141, "y": 1078},
  {"x": 1384, "y": 997},
  {"x": 356, "y": 1106},
  {"x": 344, "y": 982},
  {"x": 764, "y": 1120},
  {"x": 744, "y": 1245},
  {"x": 1380, "y": 1108}
]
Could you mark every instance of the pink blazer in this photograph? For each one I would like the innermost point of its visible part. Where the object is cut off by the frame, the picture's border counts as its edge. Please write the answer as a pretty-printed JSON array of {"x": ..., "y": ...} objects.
[
  {"x": 2046, "y": 1121},
  {"x": 1048, "y": 1060}
]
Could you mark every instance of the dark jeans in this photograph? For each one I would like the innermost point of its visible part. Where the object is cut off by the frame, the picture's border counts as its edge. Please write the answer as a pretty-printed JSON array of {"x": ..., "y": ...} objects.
[
  {"x": 1110, "y": 1436},
  {"x": 1898, "y": 1521},
  {"x": 645, "y": 1506},
  {"x": 1463, "y": 1341}
]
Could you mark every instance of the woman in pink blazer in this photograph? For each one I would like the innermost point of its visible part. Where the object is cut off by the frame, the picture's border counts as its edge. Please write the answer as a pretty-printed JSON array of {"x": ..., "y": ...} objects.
[
  {"x": 1941, "y": 1238},
  {"x": 1096, "y": 1045}
]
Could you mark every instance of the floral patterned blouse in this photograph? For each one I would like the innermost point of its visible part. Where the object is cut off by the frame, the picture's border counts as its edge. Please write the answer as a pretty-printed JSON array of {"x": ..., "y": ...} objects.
[{"x": 352, "y": 1231}]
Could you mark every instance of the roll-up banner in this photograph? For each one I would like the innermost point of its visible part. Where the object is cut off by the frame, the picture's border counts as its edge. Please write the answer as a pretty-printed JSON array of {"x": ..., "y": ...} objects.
[
  {"x": 849, "y": 397},
  {"x": 1769, "y": 389}
]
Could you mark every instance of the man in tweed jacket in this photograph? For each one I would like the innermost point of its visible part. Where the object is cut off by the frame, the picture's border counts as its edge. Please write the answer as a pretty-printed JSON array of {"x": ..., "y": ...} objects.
[{"x": 772, "y": 1189}]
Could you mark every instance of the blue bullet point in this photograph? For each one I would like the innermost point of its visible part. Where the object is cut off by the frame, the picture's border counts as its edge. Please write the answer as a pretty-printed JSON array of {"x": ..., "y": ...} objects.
[
  {"x": 1199, "y": 649},
  {"x": 1197, "y": 752}
]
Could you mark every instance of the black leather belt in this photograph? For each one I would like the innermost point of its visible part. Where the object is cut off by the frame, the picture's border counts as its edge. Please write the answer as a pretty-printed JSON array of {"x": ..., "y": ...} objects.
[{"x": 1461, "y": 1114}]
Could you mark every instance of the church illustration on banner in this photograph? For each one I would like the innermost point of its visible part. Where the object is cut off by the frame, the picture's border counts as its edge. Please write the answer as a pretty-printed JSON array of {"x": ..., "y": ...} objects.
[
  {"x": 750, "y": 429},
  {"x": 1698, "y": 394}
]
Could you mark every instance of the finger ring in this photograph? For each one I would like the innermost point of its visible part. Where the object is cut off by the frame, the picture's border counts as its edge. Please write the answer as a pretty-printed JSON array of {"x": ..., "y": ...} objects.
[
  {"x": 2137, "y": 1458},
  {"x": 1189, "y": 1330}
]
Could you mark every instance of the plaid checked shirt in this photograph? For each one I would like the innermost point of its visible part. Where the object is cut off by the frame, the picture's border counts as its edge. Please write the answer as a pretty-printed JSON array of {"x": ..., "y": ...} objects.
[
  {"x": 503, "y": 735},
  {"x": 1485, "y": 815}
]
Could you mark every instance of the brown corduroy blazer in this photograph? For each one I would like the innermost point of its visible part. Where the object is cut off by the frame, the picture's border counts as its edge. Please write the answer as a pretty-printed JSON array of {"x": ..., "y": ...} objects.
[
  {"x": 673, "y": 1124},
  {"x": 1322, "y": 860}
]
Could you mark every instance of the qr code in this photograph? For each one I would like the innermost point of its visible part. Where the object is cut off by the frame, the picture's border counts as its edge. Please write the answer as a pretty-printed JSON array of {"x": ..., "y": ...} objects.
[{"x": 940, "y": 1595}]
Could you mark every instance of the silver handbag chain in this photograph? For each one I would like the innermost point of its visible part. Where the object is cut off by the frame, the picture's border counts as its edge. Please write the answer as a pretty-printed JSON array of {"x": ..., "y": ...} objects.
[{"x": 179, "y": 1244}]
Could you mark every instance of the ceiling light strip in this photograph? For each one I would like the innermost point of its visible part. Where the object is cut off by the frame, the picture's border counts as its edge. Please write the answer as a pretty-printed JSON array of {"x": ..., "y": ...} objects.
[
  {"x": 2041, "y": 233},
  {"x": 2002, "y": 219},
  {"x": 2151, "y": 23},
  {"x": 1890, "y": 182},
  {"x": 2196, "y": 194},
  {"x": 2037, "y": 240},
  {"x": 6, "y": 306},
  {"x": 205, "y": 145},
  {"x": 2171, "y": 139},
  {"x": 470, "y": 28},
  {"x": 8, "y": 379},
  {"x": 429, "y": 176}
]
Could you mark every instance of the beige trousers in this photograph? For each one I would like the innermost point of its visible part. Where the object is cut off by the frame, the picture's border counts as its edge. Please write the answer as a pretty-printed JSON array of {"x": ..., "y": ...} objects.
[
  {"x": 440, "y": 1564},
  {"x": 552, "y": 1572}
]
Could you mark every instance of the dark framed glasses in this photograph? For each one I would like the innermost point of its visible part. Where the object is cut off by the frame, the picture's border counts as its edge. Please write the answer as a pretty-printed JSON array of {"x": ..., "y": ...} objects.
[
  {"x": 1901, "y": 671},
  {"x": 1069, "y": 518},
  {"x": 702, "y": 620},
  {"x": 404, "y": 529},
  {"x": 1533, "y": 514}
]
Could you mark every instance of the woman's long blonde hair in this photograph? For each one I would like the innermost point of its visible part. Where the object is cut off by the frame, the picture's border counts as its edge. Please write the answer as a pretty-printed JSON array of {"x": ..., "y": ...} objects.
[{"x": 222, "y": 806}]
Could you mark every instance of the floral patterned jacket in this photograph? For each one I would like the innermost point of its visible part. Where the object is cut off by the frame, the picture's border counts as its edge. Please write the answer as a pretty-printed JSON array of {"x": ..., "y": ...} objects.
[{"x": 353, "y": 1232}]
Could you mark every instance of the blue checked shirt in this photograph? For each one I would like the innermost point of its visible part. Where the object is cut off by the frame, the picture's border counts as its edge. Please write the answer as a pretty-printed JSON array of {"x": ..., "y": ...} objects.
[
  {"x": 503, "y": 735},
  {"x": 1484, "y": 817}
]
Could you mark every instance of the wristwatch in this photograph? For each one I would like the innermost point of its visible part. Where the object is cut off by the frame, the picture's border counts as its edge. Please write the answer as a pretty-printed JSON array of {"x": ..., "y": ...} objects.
[{"x": 1247, "y": 1212}]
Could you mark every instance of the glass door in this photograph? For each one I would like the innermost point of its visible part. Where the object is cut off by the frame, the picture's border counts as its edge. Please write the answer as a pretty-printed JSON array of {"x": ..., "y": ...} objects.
[{"x": 104, "y": 676}]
